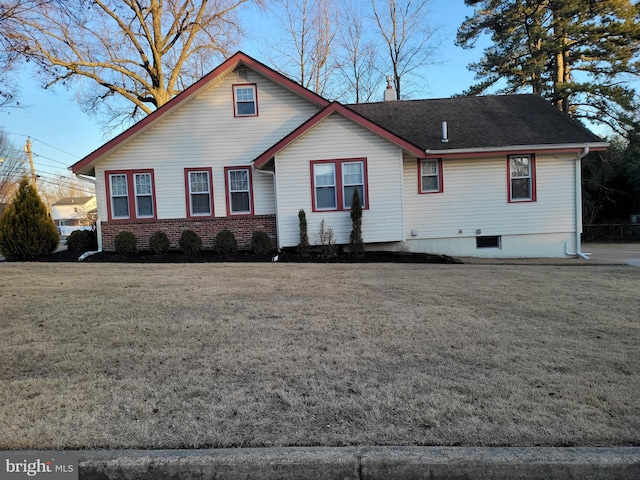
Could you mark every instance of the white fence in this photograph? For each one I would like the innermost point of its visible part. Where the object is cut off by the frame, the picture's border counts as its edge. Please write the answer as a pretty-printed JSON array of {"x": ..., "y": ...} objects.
[{"x": 66, "y": 230}]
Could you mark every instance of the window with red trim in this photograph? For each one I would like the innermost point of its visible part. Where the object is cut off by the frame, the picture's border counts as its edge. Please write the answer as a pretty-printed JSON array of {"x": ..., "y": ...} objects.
[
  {"x": 521, "y": 175},
  {"x": 131, "y": 194},
  {"x": 239, "y": 187},
  {"x": 199, "y": 192},
  {"x": 245, "y": 100},
  {"x": 334, "y": 181},
  {"x": 430, "y": 176}
]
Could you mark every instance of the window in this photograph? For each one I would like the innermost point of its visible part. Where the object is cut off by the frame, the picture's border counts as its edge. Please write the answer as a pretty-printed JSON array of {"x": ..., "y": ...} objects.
[
  {"x": 488, "y": 242},
  {"x": 144, "y": 196},
  {"x": 522, "y": 180},
  {"x": 245, "y": 100},
  {"x": 430, "y": 176},
  {"x": 334, "y": 181},
  {"x": 239, "y": 192},
  {"x": 199, "y": 187},
  {"x": 131, "y": 194}
]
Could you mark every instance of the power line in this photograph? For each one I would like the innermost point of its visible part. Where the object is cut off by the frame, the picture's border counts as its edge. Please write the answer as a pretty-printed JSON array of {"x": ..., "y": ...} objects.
[{"x": 44, "y": 143}]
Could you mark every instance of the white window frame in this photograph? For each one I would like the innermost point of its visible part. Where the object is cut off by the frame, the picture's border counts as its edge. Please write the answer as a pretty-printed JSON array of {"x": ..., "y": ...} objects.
[
  {"x": 317, "y": 186},
  {"x": 232, "y": 191},
  {"x": 121, "y": 195},
  {"x": 192, "y": 193},
  {"x": 346, "y": 202},
  {"x": 528, "y": 177},
  {"x": 139, "y": 195},
  {"x": 237, "y": 100},
  {"x": 435, "y": 162}
]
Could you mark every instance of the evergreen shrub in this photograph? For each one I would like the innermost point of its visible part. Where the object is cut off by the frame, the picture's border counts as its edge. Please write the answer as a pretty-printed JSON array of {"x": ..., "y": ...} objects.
[
  {"x": 126, "y": 243},
  {"x": 261, "y": 243},
  {"x": 303, "y": 246},
  {"x": 159, "y": 243},
  {"x": 27, "y": 231},
  {"x": 82, "y": 241},
  {"x": 190, "y": 242},
  {"x": 225, "y": 243}
]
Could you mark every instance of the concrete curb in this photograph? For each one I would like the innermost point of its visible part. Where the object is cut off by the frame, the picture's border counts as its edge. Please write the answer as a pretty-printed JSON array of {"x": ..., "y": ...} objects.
[{"x": 360, "y": 463}]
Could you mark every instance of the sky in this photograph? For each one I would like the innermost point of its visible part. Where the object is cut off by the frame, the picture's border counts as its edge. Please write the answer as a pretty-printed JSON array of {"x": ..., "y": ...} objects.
[{"x": 62, "y": 134}]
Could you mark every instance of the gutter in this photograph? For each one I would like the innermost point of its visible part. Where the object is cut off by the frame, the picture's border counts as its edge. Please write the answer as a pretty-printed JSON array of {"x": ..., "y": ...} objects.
[
  {"x": 578, "y": 197},
  {"x": 517, "y": 148}
]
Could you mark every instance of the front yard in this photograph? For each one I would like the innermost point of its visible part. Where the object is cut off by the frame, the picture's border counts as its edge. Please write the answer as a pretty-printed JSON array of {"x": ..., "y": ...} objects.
[{"x": 110, "y": 355}]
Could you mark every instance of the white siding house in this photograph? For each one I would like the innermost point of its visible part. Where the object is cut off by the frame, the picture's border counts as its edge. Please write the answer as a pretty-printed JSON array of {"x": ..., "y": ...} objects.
[{"x": 246, "y": 148}]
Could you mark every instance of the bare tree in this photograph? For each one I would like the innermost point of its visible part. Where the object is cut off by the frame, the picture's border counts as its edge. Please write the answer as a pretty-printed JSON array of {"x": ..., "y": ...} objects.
[
  {"x": 128, "y": 57},
  {"x": 358, "y": 58},
  {"x": 11, "y": 168},
  {"x": 409, "y": 40},
  {"x": 309, "y": 28}
]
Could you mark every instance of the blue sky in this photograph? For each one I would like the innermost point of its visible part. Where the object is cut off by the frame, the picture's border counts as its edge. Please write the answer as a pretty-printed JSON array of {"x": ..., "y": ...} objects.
[{"x": 62, "y": 134}]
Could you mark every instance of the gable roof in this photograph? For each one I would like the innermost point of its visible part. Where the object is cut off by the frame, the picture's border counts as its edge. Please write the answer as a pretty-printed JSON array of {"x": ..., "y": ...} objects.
[
  {"x": 86, "y": 165},
  {"x": 72, "y": 201},
  {"x": 474, "y": 124},
  {"x": 337, "y": 108}
]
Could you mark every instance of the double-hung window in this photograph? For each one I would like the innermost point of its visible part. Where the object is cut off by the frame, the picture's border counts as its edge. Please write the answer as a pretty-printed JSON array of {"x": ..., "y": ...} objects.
[
  {"x": 144, "y": 195},
  {"x": 430, "y": 176},
  {"x": 522, "y": 180},
  {"x": 131, "y": 194},
  {"x": 119, "y": 196},
  {"x": 245, "y": 100},
  {"x": 239, "y": 191},
  {"x": 199, "y": 192},
  {"x": 333, "y": 183}
]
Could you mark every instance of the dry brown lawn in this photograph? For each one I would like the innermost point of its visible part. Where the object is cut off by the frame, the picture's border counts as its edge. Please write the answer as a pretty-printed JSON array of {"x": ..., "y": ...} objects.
[{"x": 222, "y": 355}]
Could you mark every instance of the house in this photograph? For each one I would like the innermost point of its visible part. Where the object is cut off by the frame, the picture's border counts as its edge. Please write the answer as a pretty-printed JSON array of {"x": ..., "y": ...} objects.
[
  {"x": 246, "y": 148},
  {"x": 74, "y": 213}
]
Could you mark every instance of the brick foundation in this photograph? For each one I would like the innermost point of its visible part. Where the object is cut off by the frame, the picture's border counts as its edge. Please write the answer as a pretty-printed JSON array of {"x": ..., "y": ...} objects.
[{"x": 207, "y": 229}]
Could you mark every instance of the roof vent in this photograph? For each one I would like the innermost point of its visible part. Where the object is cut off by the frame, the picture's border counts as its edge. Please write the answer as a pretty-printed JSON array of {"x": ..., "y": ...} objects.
[
  {"x": 243, "y": 73},
  {"x": 445, "y": 132},
  {"x": 390, "y": 92}
]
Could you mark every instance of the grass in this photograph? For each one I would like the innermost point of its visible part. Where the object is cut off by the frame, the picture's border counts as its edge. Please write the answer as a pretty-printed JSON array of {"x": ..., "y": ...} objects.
[{"x": 227, "y": 355}]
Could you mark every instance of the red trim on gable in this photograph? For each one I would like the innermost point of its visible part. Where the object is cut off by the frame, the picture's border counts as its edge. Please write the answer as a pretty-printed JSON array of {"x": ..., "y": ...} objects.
[
  {"x": 335, "y": 107},
  {"x": 230, "y": 63}
]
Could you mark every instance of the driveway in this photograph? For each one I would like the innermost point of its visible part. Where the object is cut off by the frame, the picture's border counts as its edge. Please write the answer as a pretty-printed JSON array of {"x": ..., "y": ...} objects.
[{"x": 614, "y": 253}]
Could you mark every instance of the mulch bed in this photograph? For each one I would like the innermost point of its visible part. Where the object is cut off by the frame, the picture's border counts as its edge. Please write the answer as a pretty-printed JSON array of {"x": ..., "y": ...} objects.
[{"x": 208, "y": 256}]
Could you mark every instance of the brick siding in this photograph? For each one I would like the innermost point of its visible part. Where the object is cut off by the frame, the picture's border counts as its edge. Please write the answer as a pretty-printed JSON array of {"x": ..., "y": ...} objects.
[{"x": 242, "y": 227}]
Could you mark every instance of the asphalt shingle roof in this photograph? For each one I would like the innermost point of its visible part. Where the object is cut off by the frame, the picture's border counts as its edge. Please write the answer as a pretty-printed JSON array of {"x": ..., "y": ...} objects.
[{"x": 477, "y": 122}]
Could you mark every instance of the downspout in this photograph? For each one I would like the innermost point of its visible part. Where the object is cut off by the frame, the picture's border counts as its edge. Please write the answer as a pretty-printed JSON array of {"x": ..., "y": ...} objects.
[
  {"x": 578, "y": 166},
  {"x": 275, "y": 194},
  {"x": 87, "y": 178}
]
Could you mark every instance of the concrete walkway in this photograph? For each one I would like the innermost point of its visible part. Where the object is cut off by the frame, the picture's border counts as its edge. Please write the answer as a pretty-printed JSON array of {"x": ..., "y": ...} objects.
[{"x": 358, "y": 463}]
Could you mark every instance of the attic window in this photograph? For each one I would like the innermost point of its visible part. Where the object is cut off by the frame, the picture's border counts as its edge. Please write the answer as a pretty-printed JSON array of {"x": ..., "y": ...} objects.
[{"x": 245, "y": 100}]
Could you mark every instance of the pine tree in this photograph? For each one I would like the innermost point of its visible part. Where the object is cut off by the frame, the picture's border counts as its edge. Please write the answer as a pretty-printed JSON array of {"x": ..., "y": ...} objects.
[
  {"x": 355, "y": 240},
  {"x": 575, "y": 53},
  {"x": 27, "y": 231}
]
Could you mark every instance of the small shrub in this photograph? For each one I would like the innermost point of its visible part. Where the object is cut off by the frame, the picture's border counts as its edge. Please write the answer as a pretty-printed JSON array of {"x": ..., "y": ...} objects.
[
  {"x": 126, "y": 243},
  {"x": 261, "y": 243},
  {"x": 190, "y": 242},
  {"x": 159, "y": 243},
  {"x": 303, "y": 246},
  {"x": 327, "y": 240},
  {"x": 82, "y": 241},
  {"x": 225, "y": 243}
]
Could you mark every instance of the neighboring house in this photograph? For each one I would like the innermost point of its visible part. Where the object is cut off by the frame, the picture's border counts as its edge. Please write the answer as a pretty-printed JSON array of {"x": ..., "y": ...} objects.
[
  {"x": 246, "y": 148},
  {"x": 74, "y": 213}
]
